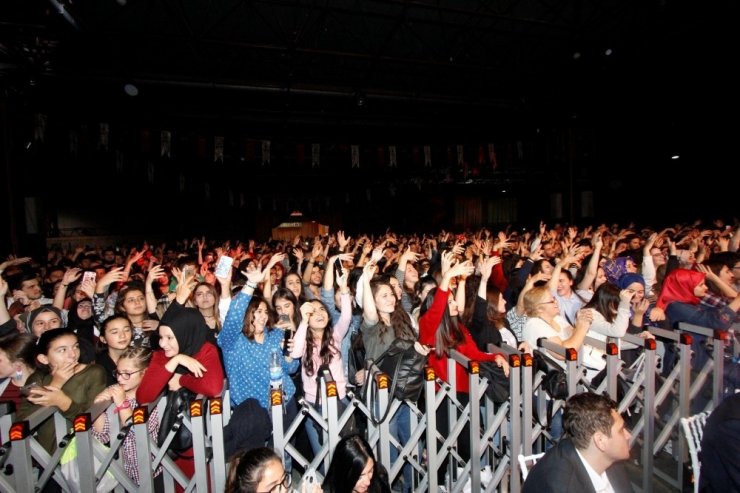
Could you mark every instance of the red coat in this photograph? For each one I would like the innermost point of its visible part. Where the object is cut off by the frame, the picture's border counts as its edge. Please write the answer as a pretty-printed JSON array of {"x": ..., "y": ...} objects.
[
  {"x": 156, "y": 377},
  {"x": 428, "y": 324}
]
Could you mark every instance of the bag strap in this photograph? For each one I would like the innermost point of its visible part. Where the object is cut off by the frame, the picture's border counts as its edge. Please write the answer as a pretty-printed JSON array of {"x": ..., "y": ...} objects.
[{"x": 391, "y": 391}]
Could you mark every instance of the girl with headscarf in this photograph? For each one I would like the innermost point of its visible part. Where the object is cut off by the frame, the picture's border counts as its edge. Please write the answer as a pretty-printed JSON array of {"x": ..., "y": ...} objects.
[{"x": 186, "y": 358}]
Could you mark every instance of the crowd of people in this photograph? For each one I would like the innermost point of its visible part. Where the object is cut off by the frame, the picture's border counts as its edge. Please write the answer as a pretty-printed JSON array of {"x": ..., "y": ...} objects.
[{"x": 126, "y": 322}]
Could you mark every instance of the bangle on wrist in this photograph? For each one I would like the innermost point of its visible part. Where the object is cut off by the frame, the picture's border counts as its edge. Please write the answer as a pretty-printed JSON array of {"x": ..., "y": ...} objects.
[
  {"x": 124, "y": 405},
  {"x": 250, "y": 284}
]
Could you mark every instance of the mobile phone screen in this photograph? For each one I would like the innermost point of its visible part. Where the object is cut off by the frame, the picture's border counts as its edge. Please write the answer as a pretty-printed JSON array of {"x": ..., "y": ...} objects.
[{"x": 223, "y": 268}]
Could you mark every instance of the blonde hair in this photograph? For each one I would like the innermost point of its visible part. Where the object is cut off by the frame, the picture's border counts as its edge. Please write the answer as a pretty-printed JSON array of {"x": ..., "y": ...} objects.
[
  {"x": 533, "y": 299},
  {"x": 140, "y": 355}
]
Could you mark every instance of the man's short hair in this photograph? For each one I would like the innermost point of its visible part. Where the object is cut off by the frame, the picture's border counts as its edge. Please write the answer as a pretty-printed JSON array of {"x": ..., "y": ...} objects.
[{"x": 585, "y": 414}]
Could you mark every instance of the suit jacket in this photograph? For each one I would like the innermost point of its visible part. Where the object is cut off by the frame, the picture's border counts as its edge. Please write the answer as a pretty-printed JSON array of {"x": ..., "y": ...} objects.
[{"x": 560, "y": 470}]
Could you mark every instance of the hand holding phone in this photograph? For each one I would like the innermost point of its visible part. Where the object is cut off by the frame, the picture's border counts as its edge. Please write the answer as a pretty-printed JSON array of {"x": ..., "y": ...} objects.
[
  {"x": 223, "y": 268},
  {"x": 26, "y": 389},
  {"x": 89, "y": 275}
]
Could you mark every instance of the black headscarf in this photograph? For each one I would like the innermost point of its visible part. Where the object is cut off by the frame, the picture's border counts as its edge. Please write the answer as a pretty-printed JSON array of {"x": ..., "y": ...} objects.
[{"x": 190, "y": 330}]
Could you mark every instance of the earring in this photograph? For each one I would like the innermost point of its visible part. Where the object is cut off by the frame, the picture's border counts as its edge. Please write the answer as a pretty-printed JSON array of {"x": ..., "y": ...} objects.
[{"x": 18, "y": 374}]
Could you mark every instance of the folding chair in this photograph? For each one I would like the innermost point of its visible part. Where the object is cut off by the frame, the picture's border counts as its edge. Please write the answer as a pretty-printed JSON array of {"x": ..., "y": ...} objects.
[
  {"x": 527, "y": 461},
  {"x": 693, "y": 428}
]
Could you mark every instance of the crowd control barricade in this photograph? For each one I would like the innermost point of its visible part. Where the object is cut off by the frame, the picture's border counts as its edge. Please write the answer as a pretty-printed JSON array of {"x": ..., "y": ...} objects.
[
  {"x": 33, "y": 467},
  {"x": 510, "y": 414},
  {"x": 574, "y": 376}
]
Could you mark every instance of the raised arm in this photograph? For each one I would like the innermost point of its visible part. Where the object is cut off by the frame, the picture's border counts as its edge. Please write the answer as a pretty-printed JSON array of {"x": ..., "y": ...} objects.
[
  {"x": 593, "y": 265},
  {"x": 70, "y": 276}
]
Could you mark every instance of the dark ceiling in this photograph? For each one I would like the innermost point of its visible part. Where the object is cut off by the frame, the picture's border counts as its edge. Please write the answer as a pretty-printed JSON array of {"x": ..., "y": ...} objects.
[{"x": 384, "y": 64}]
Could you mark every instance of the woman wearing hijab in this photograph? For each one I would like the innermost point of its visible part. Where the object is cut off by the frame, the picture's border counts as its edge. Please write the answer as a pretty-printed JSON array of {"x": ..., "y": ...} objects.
[{"x": 186, "y": 358}]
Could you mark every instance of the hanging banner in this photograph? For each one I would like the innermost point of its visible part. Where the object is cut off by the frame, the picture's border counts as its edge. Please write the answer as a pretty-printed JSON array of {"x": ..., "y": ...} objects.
[
  {"x": 427, "y": 156},
  {"x": 74, "y": 142},
  {"x": 393, "y": 160},
  {"x": 119, "y": 163},
  {"x": 315, "y": 155},
  {"x": 150, "y": 172},
  {"x": 218, "y": 149},
  {"x": 103, "y": 138},
  {"x": 265, "y": 153},
  {"x": 355, "y": 156},
  {"x": 165, "y": 143},
  {"x": 492, "y": 156},
  {"x": 460, "y": 155},
  {"x": 39, "y": 131}
]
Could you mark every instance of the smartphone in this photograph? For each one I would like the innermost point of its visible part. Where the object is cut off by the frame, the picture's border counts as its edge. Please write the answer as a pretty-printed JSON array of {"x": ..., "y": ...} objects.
[
  {"x": 26, "y": 389},
  {"x": 284, "y": 318},
  {"x": 337, "y": 268},
  {"x": 89, "y": 275},
  {"x": 188, "y": 270},
  {"x": 223, "y": 268},
  {"x": 288, "y": 336}
]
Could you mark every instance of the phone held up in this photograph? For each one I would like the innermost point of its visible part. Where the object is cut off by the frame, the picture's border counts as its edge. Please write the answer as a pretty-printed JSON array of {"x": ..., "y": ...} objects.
[
  {"x": 91, "y": 275},
  {"x": 223, "y": 268}
]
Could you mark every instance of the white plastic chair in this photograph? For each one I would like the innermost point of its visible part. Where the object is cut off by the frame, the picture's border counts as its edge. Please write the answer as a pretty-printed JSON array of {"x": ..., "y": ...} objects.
[
  {"x": 527, "y": 461},
  {"x": 693, "y": 428}
]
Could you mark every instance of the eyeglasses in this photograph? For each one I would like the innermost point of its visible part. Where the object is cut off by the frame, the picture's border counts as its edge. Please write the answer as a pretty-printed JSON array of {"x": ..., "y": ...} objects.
[
  {"x": 124, "y": 374},
  {"x": 284, "y": 484},
  {"x": 547, "y": 302}
]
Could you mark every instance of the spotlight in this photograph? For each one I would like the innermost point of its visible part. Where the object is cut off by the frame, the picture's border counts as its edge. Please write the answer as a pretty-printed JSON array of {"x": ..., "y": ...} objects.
[
  {"x": 131, "y": 90},
  {"x": 675, "y": 157}
]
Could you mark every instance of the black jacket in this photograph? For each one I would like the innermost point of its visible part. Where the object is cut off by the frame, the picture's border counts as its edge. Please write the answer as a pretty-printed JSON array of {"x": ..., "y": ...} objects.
[{"x": 561, "y": 470}]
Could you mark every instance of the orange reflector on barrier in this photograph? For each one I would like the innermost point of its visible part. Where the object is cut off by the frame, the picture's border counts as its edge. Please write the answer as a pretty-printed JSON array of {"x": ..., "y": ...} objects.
[
  {"x": 611, "y": 349},
  {"x": 685, "y": 339},
  {"x": 196, "y": 408},
  {"x": 514, "y": 361},
  {"x": 429, "y": 374},
  {"x": 140, "y": 415},
  {"x": 82, "y": 422},
  {"x": 528, "y": 360},
  {"x": 276, "y": 397},
  {"x": 473, "y": 367},
  {"x": 722, "y": 335},
  {"x": 18, "y": 431},
  {"x": 215, "y": 406},
  {"x": 571, "y": 354},
  {"x": 382, "y": 380},
  {"x": 331, "y": 389},
  {"x": 650, "y": 344}
]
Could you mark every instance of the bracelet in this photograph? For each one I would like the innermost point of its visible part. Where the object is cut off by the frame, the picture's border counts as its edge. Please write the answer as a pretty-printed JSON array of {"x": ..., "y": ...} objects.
[
  {"x": 251, "y": 285},
  {"x": 124, "y": 405},
  {"x": 65, "y": 285}
]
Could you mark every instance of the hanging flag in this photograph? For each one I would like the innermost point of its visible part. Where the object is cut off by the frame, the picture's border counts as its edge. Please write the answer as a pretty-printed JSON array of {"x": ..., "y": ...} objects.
[
  {"x": 150, "y": 172},
  {"x": 392, "y": 157},
  {"x": 460, "y": 155},
  {"x": 119, "y": 162},
  {"x": 74, "y": 141},
  {"x": 315, "y": 155},
  {"x": 218, "y": 149},
  {"x": 103, "y": 136},
  {"x": 39, "y": 132},
  {"x": 301, "y": 154},
  {"x": 381, "y": 157},
  {"x": 165, "y": 143},
  {"x": 201, "y": 147},
  {"x": 266, "y": 154},
  {"x": 492, "y": 156},
  {"x": 428, "y": 156},
  {"x": 355, "y": 156}
]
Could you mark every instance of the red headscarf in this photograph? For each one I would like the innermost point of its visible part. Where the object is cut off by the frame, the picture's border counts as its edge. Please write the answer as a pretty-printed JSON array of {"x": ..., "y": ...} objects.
[{"x": 679, "y": 286}]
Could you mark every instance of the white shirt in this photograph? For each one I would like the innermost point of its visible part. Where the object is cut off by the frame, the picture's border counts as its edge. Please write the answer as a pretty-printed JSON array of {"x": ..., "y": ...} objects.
[{"x": 599, "y": 481}]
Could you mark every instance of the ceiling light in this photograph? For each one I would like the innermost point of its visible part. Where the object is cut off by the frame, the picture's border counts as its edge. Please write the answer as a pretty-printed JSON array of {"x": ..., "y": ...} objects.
[
  {"x": 675, "y": 157},
  {"x": 608, "y": 52},
  {"x": 131, "y": 90}
]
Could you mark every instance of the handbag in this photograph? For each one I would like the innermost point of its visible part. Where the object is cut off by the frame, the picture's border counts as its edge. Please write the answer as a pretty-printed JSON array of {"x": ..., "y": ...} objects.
[
  {"x": 178, "y": 406},
  {"x": 555, "y": 382},
  {"x": 405, "y": 367},
  {"x": 498, "y": 382}
]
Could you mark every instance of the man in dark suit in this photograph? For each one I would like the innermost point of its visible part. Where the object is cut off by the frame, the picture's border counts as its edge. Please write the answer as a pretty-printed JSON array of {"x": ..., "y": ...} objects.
[
  {"x": 720, "y": 448},
  {"x": 590, "y": 459}
]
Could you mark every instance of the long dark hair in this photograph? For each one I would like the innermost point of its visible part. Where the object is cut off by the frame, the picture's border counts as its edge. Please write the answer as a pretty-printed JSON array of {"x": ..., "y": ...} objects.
[
  {"x": 350, "y": 458},
  {"x": 253, "y": 306},
  {"x": 247, "y": 470},
  {"x": 400, "y": 320},
  {"x": 605, "y": 301},
  {"x": 286, "y": 294},
  {"x": 327, "y": 350},
  {"x": 448, "y": 334}
]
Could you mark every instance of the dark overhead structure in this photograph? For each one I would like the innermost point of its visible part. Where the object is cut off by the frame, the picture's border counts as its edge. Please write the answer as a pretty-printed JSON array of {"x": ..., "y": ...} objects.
[{"x": 576, "y": 96}]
